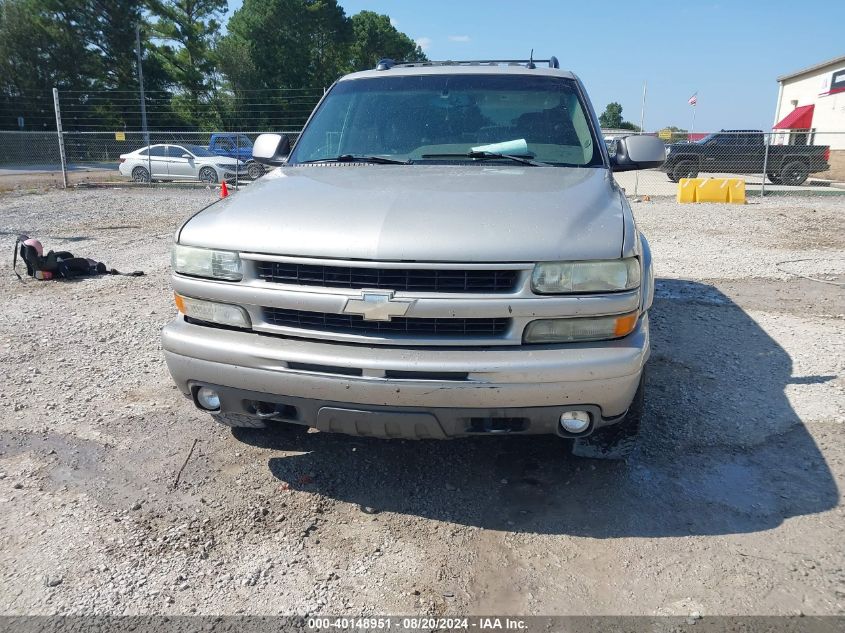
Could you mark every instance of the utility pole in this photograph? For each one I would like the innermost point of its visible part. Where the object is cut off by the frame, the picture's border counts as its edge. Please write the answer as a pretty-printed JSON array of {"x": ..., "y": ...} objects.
[
  {"x": 141, "y": 85},
  {"x": 62, "y": 156}
]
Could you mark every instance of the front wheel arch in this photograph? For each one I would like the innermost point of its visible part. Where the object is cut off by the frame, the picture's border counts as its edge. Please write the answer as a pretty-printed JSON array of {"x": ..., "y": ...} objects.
[
  {"x": 617, "y": 441},
  {"x": 685, "y": 167}
]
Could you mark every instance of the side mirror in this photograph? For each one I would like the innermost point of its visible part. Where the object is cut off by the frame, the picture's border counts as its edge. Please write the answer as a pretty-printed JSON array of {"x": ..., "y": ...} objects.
[
  {"x": 271, "y": 149},
  {"x": 188, "y": 156},
  {"x": 638, "y": 152}
]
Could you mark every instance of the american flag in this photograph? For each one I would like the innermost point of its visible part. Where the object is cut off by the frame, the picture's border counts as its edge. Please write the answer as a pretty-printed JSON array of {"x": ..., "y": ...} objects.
[{"x": 693, "y": 99}]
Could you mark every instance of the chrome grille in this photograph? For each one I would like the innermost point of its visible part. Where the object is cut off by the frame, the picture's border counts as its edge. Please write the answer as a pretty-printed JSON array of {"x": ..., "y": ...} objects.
[
  {"x": 399, "y": 279},
  {"x": 403, "y": 326}
]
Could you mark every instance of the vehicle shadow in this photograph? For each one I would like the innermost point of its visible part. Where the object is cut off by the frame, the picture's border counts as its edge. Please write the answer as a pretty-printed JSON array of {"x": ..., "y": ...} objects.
[{"x": 721, "y": 449}]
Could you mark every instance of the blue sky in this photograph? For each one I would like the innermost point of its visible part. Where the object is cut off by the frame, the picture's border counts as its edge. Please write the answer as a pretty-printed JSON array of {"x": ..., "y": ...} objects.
[{"x": 728, "y": 52}]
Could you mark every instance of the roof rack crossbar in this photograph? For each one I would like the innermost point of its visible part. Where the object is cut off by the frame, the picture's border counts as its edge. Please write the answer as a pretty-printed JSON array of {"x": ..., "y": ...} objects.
[{"x": 387, "y": 64}]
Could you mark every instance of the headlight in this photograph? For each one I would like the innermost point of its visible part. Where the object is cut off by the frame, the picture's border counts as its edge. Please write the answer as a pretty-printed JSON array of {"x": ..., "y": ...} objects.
[
  {"x": 213, "y": 312},
  {"x": 204, "y": 262},
  {"x": 223, "y": 166},
  {"x": 586, "y": 276},
  {"x": 573, "y": 330}
]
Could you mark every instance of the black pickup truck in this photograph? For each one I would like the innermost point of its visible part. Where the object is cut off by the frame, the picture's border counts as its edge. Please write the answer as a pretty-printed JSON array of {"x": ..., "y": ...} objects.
[{"x": 742, "y": 152}]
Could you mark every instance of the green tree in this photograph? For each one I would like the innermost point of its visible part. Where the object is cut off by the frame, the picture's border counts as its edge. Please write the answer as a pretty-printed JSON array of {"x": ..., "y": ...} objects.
[
  {"x": 285, "y": 44},
  {"x": 187, "y": 31},
  {"x": 40, "y": 46},
  {"x": 612, "y": 116},
  {"x": 108, "y": 30},
  {"x": 295, "y": 46},
  {"x": 86, "y": 49},
  {"x": 374, "y": 38}
]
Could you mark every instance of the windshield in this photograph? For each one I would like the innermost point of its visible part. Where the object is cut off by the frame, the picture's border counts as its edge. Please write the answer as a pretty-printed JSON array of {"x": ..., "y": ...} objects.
[
  {"x": 422, "y": 117},
  {"x": 706, "y": 139},
  {"x": 196, "y": 150}
]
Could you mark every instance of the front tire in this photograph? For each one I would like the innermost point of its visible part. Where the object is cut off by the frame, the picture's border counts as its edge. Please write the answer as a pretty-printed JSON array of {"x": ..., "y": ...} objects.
[
  {"x": 237, "y": 421},
  {"x": 775, "y": 179},
  {"x": 616, "y": 441},
  {"x": 254, "y": 170},
  {"x": 794, "y": 173},
  {"x": 208, "y": 175},
  {"x": 684, "y": 169}
]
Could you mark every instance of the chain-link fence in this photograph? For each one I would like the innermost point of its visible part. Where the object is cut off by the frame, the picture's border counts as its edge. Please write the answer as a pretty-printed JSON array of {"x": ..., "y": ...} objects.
[
  {"x": 155, "y": 157},
  {"x": 793, "y": 161},
  {"x": 782, "y": 161},
  {"x": 166, "y": 156}
]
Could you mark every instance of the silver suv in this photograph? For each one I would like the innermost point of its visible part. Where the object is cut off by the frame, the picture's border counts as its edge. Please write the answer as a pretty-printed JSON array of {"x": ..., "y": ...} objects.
[{"x": 443, "y": 253}]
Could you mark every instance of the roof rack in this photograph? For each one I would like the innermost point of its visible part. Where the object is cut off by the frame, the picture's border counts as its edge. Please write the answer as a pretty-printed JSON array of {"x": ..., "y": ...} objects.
[{"x": 387, "y": 63}]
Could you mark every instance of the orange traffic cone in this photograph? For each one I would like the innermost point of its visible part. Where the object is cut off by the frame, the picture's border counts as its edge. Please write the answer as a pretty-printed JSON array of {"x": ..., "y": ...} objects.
[{"x": 224, "y": 190}]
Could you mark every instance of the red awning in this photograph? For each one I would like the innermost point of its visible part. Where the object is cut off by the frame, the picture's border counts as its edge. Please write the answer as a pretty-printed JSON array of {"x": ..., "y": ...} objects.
[{"x": 801, "y": 118}]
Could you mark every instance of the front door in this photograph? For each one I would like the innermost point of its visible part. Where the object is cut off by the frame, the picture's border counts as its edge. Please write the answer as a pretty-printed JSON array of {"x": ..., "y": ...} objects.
[{"x": 180, "y": 168}]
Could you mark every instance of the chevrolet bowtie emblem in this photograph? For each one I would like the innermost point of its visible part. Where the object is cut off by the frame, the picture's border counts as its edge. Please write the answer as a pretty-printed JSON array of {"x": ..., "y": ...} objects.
[{"x": 378, "y": 306}]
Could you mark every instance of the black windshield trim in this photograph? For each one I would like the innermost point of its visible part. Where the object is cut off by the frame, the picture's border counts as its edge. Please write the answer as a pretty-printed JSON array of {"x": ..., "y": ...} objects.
[{"x": 349, "y": 158}]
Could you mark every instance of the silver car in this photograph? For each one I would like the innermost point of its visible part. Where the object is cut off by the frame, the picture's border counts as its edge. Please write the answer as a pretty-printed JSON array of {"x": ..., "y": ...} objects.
[
  {"x": 180, "y": 162},
  {"x": 443, "y": 253}
]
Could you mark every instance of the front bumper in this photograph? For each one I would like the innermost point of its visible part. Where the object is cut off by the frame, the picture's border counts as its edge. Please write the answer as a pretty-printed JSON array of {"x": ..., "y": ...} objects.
[
  {"x": 229, "y": 173},
  {"x": 532, "y": 383}
]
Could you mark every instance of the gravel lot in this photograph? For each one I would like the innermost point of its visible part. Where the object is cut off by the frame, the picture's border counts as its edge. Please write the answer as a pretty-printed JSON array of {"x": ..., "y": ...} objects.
[{"x": 730, "y": 506}]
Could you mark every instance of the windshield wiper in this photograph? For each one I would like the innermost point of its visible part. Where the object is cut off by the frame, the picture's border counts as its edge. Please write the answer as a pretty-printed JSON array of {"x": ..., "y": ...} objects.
[
  {"x": 353, "y": 158},
  {"x": 472, "y": 154}
]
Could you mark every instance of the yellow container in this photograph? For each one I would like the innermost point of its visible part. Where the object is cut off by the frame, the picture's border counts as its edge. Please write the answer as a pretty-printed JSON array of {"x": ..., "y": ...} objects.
[
  {"x": 736, "y": 191},
  {"x": 726, "y": 190},
  {"x": 711, "y": 190},
  {"x": 686, "y": 189}
]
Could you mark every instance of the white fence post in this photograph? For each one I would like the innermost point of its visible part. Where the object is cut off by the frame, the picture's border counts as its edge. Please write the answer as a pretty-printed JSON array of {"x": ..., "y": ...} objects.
[
  {"x": 767, "y": 139},
  {"x": 61, "y": 136}
]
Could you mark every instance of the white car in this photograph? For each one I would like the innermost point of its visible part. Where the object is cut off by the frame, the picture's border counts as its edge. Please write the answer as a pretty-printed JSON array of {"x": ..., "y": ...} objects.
[{"x": 179, "y": 162}]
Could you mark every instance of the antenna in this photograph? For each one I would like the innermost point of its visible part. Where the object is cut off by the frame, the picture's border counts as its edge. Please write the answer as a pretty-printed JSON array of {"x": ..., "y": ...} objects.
[{"x": 531, "y": 60}]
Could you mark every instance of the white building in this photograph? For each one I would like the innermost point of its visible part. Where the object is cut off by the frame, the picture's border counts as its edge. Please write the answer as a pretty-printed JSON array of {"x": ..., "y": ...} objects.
[{"x": 811, "y": 110}]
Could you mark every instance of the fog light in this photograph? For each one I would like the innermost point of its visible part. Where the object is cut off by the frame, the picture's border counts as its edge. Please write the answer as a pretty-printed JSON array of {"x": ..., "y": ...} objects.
[
  {"x": 575, "y": 421},
  {"x": 208, "y": 399}
]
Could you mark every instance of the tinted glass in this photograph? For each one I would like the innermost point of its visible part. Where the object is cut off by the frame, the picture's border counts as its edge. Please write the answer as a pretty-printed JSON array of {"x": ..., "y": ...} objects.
[
  {"x": 158, "y": 150},
  {"x": 175, "y": 151},
  {"x": 406, "y": 117},
  {"x": 196, "y": 150}
]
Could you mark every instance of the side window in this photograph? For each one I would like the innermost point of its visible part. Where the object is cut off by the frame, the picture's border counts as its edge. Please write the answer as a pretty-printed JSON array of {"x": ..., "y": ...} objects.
[
  {"x": 143, "y": 152},
  {"x": 158, "y": 150},
  {"x": 175, "y": 151}
]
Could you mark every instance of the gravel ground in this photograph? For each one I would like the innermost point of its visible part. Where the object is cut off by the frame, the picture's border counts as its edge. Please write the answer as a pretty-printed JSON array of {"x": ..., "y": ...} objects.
[{"x": 730, "y": 506}]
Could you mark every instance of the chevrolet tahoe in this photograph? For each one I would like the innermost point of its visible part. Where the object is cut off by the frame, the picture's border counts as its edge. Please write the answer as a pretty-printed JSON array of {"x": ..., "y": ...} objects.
[{"x": 443, "y": 253}]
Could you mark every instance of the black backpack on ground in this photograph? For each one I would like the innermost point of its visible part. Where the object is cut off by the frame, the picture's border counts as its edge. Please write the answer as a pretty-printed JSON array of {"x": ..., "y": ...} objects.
[{"x": 58, "y": 264}]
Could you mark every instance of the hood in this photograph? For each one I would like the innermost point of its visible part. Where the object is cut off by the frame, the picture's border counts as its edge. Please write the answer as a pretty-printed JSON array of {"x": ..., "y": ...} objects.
[{"x": 453, "y": 213}]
